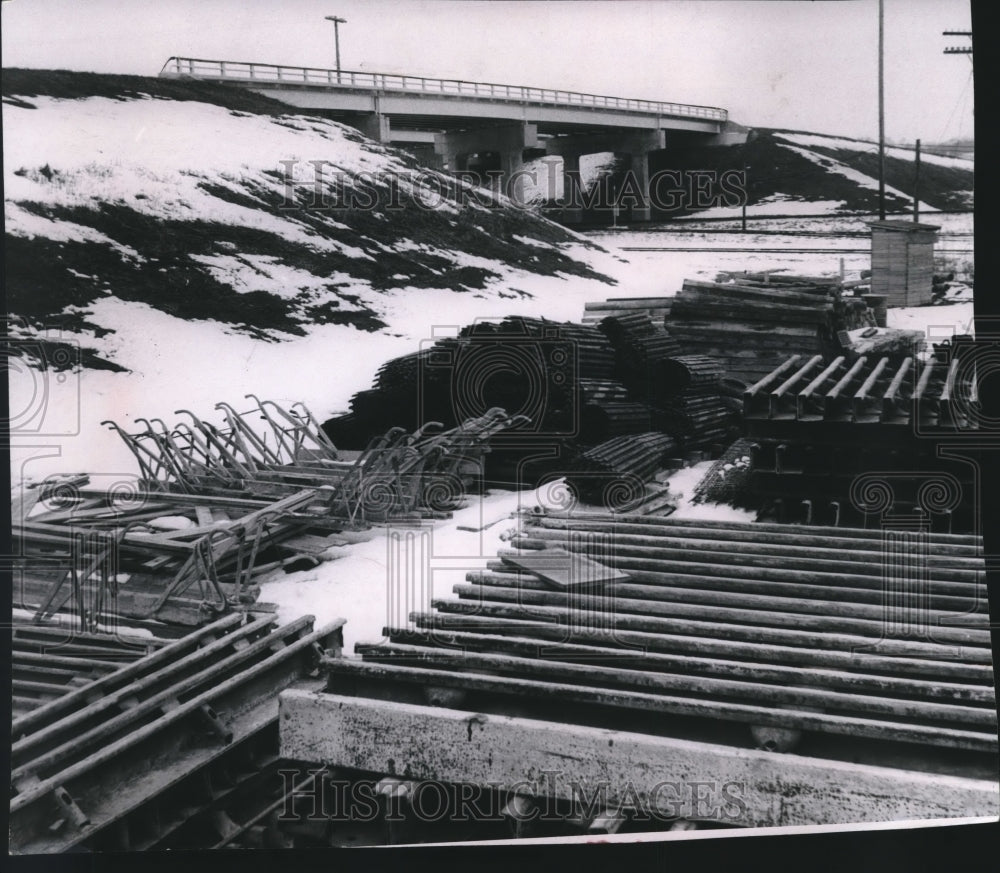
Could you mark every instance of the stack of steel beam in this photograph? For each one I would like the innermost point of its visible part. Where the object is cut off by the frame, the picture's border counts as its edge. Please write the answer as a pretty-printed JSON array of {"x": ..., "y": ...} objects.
[{"x": 819, "y": 427}]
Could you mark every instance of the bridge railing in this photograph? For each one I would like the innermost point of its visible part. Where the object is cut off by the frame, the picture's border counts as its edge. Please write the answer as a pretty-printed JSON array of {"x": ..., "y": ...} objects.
[{"x": 253, "y": 72}]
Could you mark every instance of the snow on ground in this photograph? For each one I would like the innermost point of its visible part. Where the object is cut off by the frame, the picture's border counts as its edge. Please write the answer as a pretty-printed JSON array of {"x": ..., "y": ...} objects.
[{"x": 775, "y": 204}]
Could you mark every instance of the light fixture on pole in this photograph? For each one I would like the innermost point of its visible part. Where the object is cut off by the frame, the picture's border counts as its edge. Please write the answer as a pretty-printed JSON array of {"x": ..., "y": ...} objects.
[{"x": 336, "y": 37}]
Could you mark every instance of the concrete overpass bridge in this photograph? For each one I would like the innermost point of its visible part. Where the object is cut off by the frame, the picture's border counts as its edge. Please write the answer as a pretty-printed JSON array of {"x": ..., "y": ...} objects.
[{"x": 454, "y": 123}]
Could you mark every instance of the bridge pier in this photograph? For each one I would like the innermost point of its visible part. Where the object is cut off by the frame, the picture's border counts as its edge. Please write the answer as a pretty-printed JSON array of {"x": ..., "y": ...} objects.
[
  {"x": 635, "y": 144},
  {"x": 374, "y": 125},
  {"x": 508, "y": 141}
]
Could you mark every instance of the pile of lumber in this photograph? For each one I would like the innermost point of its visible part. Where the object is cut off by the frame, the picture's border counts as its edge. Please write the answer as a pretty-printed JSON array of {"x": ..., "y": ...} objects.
[
  {"x": 751, "y": 326},
  {"x": 655, "y": 308}
]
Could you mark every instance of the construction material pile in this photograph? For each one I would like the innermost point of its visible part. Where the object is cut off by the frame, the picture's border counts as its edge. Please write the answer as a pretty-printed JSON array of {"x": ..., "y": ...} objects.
[
  {"x": 841, "y": 441},
  {"x": 640, "y": 345},
  {"x": 690, "y": 393},
  {"x": 753, "y": 321},
  {"x": 751, "y": 635},
  {"x": 150, "y": 752},
  {"x": 579, "y": 386},
  {"x": 530, "y": 367},
  {"x": 614, "y": 474},
  {"x": 217, "y": 506},
  {"x": 131, "y": 556}
]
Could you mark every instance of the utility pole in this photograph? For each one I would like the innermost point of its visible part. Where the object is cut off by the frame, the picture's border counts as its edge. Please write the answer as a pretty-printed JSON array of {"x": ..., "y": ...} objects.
[
  {"x": 336, "y": 37},
  {"x": 881, "y": 110},
  {"x": 958, "y": 49},
  {"x": 746, "y": 195},
  {"x": 916, "y": 185}
]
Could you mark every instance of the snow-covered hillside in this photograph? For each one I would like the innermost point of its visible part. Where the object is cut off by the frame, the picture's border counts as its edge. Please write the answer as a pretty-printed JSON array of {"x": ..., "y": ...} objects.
[
  {"x": 266, "y": 223},
  {"x": 793, "y": 173},
  {"x": 848, "y": 170}
]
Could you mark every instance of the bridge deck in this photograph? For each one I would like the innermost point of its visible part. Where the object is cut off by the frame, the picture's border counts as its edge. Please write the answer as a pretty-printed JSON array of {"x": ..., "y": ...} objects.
[{"x": 350, "y": 80}]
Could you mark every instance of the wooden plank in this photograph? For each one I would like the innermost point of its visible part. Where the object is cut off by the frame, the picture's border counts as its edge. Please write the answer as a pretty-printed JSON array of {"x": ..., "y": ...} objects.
[{"x": 773, "y": 789}]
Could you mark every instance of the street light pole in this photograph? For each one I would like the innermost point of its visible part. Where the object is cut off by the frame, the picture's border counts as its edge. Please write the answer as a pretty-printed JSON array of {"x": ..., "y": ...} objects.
[
  {"x": 336, "y": 37},
  {"x": 881, "y": 111}
]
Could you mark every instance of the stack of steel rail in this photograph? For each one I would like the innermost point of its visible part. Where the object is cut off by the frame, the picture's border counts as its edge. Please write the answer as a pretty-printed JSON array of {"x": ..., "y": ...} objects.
[
  {"x": 688, "y": 389},
  {"x": 826, "y": 432},
  {"x": 48, "y": 661},
  {"x": 833, "y": 675},
  {"x": 640, "y": 344},
  {"x": 120, "y": 761},
  {"x": 615, "y": 473}
]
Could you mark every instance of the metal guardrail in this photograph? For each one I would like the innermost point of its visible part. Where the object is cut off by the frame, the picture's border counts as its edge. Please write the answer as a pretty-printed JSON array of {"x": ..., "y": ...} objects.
[{"x": 253, "y": 72}]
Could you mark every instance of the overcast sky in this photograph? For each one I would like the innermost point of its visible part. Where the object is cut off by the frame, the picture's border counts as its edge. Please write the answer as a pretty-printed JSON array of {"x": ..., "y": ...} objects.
[{"x": 803, "y": 64}]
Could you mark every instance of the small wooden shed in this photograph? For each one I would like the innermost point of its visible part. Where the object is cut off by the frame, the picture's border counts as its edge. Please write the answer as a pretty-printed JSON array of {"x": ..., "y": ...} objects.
[{"x": 903, "y": 261}]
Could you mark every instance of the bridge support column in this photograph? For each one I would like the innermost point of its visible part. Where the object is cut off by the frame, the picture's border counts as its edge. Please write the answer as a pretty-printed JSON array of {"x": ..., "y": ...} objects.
[
  {"x": 638, "y": 185},
  {"x": 508, "y": 141},
  {"x": 572, "y": 198},
  {"x": 374, "y": 125},
  {"x": 636, "y": 144}
]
